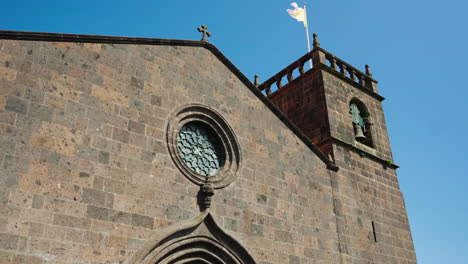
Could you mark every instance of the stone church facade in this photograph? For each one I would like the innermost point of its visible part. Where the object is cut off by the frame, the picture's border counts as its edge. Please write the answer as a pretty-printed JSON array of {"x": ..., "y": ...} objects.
[{"x": 134, "y": 150}]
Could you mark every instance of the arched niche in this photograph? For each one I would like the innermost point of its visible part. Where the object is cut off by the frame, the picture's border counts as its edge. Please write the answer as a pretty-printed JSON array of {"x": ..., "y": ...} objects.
[
  {"x": 360, "y": 117},
  {"x": 197, "y": 241}
]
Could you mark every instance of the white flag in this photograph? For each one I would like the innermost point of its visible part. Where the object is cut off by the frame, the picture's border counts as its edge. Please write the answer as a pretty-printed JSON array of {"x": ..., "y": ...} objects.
[{"x": 298, "y": 13}]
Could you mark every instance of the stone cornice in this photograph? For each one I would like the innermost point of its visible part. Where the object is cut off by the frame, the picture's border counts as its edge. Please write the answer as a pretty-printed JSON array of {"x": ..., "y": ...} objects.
[
  {"x": 365, "y": 153},
  {"x": 356, "y": 85}
]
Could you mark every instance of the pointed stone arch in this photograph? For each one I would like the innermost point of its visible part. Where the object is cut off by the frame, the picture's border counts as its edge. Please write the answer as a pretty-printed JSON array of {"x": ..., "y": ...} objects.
[{"x": 197, "y": 241}]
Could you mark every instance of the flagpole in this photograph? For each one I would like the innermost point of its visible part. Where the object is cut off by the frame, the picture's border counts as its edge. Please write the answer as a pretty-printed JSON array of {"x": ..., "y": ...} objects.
[{"x": 307, "y": 33}]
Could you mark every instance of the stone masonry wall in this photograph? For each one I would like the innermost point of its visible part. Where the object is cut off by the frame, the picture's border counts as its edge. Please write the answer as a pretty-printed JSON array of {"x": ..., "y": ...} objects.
[
  {"x": 366, "y": 191},
  {"x": 85, "y": 175},
  {"x": 303, "y": 102}
]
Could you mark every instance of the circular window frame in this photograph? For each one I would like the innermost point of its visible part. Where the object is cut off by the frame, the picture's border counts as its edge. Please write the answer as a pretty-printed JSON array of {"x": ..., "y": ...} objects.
[{"x": 227, "y": 173}]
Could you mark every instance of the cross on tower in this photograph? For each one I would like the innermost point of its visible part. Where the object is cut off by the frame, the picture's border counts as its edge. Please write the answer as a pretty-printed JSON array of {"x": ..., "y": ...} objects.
[{"x": 204, "y": 30}]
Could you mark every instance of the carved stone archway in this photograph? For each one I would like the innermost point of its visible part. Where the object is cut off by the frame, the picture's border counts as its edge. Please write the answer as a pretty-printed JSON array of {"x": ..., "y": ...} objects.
[{"x": 197, "y": 241}]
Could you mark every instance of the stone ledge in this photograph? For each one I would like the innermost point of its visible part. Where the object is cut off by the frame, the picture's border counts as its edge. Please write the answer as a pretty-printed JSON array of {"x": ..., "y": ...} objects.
[{"x": 364, "y": 152}]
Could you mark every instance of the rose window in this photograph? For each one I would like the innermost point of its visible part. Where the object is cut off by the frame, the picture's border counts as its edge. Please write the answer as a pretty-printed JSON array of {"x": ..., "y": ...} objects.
[{"x": 200, "y": 149}]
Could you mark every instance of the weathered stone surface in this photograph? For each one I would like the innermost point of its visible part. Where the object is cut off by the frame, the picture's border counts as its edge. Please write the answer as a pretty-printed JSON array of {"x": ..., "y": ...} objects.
[
  {"x": 19, "y": 259},
  {"x": 57, "y": 138},
  {"x": 8, "y": 241},
  {"x": 120, "y": 217},
  {"x": 99, "y": 213},
  {"x": 94, "y": 197},
  {"x": 366, "y": 189},
  {"x": 86, "y": 174},
  {"x": 104, "y": 157},
  {"x": 120, "y": 135},
  {"x": 109, "y": 95},
  {"x": 156, "y": 100},
  {"x": 136, "y": 127},
  {"x": 142, "y": 221},
  {"x": 71, "y": 221},
  {"x": 16, "y": 104}
]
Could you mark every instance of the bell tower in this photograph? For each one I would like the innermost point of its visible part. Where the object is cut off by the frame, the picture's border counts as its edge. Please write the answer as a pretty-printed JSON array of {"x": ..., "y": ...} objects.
[
  {"x": 339, "y": 109},
  {"x": 333, "y": 103}
]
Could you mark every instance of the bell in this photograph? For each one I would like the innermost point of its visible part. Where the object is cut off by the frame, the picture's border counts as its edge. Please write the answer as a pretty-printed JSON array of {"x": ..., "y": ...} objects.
[{"x": 359, "y": 134}]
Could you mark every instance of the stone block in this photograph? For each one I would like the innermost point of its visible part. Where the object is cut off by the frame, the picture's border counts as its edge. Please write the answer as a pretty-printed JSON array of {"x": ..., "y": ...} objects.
[
  {"x": 135, "y": 82},
  {"x": 130, "y": 151},
  {"x": 7, "y": 117},
  {"x": 94, "y": 197},
  {"x": 7, "y": 146},
  {"x": 74, "y": 235},
  {"x": 38, "y": 245},
  {"x": 110, "y": 96},
  {"x": 262, "y": 199},
  {"x": 256, "y": 230},
  {"x": 142, "y": 221},
  {"x": 54, "y": 102},
  {"x": 120, "y": 217},
  {"x": 120, "y": 135},
  {"x": 99, "y": 213},
  {"x": 157, "y": 146},
  {"x": 38, "y": 201},
  {"x": 21, "y": 259},
  {"x": 231, "y": 224},
  {"x": 34, "y": 95},
  {"x": 8, "y": 241},
  {"x": 294, "y": 260},
  {"x": 135, "y": 244},
  {"x": 21, "y": 199},
  {"x": 138, "y": 140},
  {"x": 71, "y": 221},
  {"x": 148, "y": 156},
  {"x": 57, "y": 138},
  {"x": 60, "y": 86},
  {"x": 92, "y": 238},
  {"x": 16, "y": 104},
  {"x": 9, "y": 172},
  {"x": 114, "y": 186},
  {"x": 40, "y": 112},
  {"x": 156, "y": 100},
  {"x": 5, "y": 257},
  {"x": 109, "y": 200},
  {"x": 104, "y": 157},
  {"x": 136, "y": 127},
  {"x": 117, "y": 242},
  {"x": 36, "y": 229},
  {"x": 105, "y": 144}
]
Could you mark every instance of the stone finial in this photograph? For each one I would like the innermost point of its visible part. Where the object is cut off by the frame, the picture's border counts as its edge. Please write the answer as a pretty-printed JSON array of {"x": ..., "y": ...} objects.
[
  {"x": 316, "y": 42},
  {"x": 368, "y": 72},
  {"x": 256, "y": 80},
  {"x": 204, "y": 30},
  {"x": 204, "y": 195}
]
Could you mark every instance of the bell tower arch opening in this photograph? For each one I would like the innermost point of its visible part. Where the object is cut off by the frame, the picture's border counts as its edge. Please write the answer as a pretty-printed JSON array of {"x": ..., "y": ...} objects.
[{"x": 360, "y": 117}]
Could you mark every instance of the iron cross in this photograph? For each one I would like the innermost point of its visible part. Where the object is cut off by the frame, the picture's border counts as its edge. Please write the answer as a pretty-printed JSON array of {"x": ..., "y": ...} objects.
[{"x": 205, "y": 32}]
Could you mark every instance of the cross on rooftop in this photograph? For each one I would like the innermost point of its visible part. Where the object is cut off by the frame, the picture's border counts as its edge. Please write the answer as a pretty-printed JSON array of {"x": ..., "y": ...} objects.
[{"x": 204, "y": 30}]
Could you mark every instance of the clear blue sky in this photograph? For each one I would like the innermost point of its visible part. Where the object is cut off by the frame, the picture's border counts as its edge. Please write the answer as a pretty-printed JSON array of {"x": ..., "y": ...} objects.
[{"x": 418, "y": 49}]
